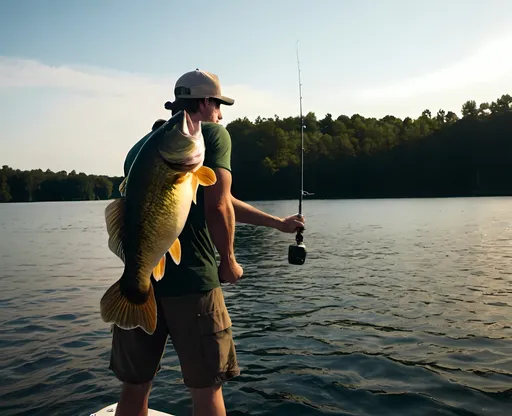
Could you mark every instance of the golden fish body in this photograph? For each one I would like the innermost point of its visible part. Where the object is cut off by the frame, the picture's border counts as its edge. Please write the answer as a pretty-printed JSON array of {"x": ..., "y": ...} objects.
[{"x": 145, "y": 223}]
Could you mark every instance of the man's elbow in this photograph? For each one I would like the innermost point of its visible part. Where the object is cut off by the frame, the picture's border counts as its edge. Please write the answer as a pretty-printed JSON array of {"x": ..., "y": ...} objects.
[{"x": 219, "y": 204}]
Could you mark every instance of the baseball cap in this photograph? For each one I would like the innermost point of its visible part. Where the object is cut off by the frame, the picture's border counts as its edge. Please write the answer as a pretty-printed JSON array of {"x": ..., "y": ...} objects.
[{"x": 200, "y": 84}]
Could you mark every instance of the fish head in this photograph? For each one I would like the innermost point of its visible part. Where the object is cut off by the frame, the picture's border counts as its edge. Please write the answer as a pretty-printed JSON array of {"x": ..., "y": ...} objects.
[{"x": 182, "y": 146}]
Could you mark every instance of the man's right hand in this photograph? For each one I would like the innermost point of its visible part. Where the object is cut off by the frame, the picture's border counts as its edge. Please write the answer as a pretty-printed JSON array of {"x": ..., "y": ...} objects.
[
  {"x": 230, "y": 271},
  {"x": 292, "y": 223}
]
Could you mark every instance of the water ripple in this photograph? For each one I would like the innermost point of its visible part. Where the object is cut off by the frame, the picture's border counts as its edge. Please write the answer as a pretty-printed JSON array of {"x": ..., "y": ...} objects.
[{"x": 398, "y": 310}]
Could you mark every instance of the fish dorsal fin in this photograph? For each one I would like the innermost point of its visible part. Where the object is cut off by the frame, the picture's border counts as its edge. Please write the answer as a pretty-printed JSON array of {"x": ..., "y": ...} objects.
[
  {"x": 206, "y": 176},
  {"x": 159, "y": 270},
  {"x": 114, "y": 218},
  {"x": 175, "y": 251}
]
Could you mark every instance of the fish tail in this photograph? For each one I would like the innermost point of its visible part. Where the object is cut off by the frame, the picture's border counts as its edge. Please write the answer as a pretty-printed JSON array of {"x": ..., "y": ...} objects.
[{"x": 117, "y": 308}]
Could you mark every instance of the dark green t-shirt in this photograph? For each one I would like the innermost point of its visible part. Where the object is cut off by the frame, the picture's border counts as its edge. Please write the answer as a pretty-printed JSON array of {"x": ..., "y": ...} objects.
[{"x": 197, "y": 270}]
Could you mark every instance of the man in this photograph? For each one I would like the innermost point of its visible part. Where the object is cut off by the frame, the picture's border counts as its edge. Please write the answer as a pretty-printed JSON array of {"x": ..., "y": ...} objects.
[{"x": 191, "y": 308}]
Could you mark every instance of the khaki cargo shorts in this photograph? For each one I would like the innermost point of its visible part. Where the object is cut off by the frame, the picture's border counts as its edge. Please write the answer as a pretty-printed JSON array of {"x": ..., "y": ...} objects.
[{"x": 199, "y": 327}]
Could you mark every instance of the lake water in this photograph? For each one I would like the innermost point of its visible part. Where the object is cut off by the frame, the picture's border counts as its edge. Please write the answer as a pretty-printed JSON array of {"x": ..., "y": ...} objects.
[{"x": 402, "y": 308}]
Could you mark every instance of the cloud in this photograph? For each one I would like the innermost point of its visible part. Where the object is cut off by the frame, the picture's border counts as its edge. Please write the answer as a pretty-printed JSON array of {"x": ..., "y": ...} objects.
[
  {"x": 490, "y": 63},
  {"x": 103, "y": 83},
  {"x": 92, "y": 116},
  {"x": 24, "y": 73}
]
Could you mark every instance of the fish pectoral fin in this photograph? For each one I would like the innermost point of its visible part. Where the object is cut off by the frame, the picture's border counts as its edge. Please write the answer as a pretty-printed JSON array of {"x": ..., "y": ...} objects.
[
  {"x": 175, "y": 251},
  {"x": 122, "y": 186},
  {"x": 159, "y": 270},
  {"x": 206, "y": 176},
  {"x": 114, "y": 218},
  {"x": 116, "y": 308},
  {"x": 180, "y": 177}
]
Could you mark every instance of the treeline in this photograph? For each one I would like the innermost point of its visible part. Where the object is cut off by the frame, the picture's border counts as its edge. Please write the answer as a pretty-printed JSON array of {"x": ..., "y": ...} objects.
[
  {"x": 344, "y": 157},
  {"x": 358, "y": 157},
  {"x": 37, "y": 185}
]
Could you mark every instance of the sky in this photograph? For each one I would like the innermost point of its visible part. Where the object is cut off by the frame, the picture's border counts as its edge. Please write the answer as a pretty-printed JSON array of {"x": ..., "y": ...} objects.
[{"x": 82, "y": 81}]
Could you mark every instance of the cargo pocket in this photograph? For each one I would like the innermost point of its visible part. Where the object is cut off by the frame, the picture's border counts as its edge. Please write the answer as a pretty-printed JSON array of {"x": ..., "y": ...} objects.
[
  {"x": 212, "y": 322},
  {"x": 216, "y": 341}
]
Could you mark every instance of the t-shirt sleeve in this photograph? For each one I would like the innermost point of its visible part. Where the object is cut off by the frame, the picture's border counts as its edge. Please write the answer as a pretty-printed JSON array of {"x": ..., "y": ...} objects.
[{"x": 218, "y": 148}]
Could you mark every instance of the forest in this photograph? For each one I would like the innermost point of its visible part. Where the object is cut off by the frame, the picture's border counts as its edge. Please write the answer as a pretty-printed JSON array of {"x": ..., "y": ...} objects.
[{"x": 433, "y": 155}]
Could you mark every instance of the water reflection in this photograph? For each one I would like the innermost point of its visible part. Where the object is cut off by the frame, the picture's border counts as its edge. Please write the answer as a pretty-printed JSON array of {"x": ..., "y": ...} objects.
[{"x": 402, "y": 306}]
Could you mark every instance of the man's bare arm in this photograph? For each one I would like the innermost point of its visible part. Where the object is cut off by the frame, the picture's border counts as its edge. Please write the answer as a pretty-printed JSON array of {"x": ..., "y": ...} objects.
[
  {"x": 248, "y": 214},
  {"x": 220, "y": 215}
]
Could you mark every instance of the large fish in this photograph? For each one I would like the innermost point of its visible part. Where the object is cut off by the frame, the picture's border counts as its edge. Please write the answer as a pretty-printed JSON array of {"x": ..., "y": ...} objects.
[{"x": 145, "y": 223}]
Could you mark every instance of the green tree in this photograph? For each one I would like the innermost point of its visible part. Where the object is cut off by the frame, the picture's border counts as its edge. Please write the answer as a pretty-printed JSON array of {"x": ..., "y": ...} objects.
[
  {"x": 469, "y": 109},
  {"x": 441, "y": 117},
  {"x": 484, "y": 110},
  {"x": 502, "y": 104},
  {"x": 451, "y": 117},
  {"x": 5, "y": 195}
]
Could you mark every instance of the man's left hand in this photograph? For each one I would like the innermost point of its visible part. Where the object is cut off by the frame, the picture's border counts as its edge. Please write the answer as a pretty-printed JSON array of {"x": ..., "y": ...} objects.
[{"x": 292, "y": 223}]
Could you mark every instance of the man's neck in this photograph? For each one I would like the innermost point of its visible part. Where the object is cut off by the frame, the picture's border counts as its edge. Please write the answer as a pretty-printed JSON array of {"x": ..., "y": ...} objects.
[{"x": 195, "y": 118}]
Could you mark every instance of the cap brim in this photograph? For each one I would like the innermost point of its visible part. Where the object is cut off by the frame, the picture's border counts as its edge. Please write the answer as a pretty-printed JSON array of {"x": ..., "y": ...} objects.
[
  {"x": 222, "y": 98},
  {"x": 225, "y": 100}
]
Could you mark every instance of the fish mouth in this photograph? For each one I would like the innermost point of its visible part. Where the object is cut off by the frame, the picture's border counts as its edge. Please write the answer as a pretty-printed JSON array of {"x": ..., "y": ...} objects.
[
  {"x": 184, "y": 167},
  {"x": 187, "y": 164}
]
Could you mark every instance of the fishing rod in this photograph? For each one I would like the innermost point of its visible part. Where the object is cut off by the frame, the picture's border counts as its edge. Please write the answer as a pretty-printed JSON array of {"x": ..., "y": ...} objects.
[{"x": 297, "y": 252}]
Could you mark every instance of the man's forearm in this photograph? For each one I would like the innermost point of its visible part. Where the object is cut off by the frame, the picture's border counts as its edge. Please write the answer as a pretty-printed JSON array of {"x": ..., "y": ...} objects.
[
  {"x": 247, "y": 214},
  {"x": 221, "y": 224}
]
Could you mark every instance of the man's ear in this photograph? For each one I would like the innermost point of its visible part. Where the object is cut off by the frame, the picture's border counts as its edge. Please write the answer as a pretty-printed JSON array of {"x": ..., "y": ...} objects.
[{"x": 203, "y": 103}]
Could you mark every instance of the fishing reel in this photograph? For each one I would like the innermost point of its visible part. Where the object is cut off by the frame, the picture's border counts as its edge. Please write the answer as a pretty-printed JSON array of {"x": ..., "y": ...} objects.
[{"x": 297, "y": 252}]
